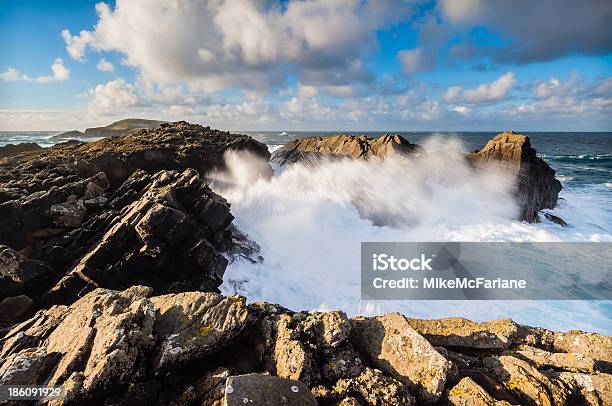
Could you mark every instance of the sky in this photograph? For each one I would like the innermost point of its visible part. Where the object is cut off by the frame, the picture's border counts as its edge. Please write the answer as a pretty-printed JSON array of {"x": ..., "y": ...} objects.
[{"x": 329, "y": 65}]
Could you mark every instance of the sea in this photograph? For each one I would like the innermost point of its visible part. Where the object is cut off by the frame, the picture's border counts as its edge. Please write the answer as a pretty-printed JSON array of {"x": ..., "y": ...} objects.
[{"x": 309, "y": 227}]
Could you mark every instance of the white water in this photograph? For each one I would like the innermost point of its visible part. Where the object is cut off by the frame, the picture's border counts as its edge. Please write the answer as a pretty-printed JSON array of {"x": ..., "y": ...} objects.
[{"x": 310, "y": 221}]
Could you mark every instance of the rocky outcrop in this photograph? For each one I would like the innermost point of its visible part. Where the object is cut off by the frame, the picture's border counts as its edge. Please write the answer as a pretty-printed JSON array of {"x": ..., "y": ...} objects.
[
  {"x": 117, "y": 128},
  {"x": 117, "y": 212},
  {"x": 129, "y": 347},
  {"x": 310, "y": 149},
  {"x": 535, "y": 187},
  {"x": 15, "y": 149}
]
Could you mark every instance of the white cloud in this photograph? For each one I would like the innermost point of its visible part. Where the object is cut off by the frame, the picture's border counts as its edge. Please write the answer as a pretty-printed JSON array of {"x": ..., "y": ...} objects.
[
  {"x": 105, "y": 66},
  {"x": 230, "y": 43},
  {"x": 493, "y": 91},
  {"x": 452, "y": 93},
  {"x": 113, "y": 95},
  {"x": 59, "y": 73},
  {"x": 415, "y": 60}
]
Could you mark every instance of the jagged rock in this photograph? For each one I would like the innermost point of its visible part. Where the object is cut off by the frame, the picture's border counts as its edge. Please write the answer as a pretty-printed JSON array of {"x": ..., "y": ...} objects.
[
  {"x": 374, "y": 388},
  {"x": 20, "y": 275},
  {"x": 15, "y": 149},
  {"x": 310, "y": 149},
  {"x": 592, "y": 390},
  {"x": 266, "y": 390},
  {"x": 460, "y": 332},
  {"x": 469, "y": 393},
  {"x": 526, "y": 382},
  {"x": 170, "y": 237},
  {"x": 536, "y": 186},
  {"x": 392, "y": 345}
]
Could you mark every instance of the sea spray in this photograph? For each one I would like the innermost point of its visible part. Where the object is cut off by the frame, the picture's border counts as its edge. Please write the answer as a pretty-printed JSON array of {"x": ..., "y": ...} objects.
[{"x": 310, "y": 220}]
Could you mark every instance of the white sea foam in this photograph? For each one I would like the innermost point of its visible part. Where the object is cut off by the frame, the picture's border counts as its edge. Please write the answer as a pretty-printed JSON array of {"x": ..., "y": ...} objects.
[{"x": 309, "y": 222}]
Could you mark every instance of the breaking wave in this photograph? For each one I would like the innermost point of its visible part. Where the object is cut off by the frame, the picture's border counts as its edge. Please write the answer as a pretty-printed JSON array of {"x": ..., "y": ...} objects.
[{"x": 310, "y": 221}]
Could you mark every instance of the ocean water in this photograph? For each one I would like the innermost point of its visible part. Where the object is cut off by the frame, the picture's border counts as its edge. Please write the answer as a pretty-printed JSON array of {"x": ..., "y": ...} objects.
[{"x": 310, "y": 222}]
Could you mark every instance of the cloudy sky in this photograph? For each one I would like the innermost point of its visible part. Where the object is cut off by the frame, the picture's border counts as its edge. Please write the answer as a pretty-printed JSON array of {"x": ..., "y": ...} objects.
[{"x": 308, "y": 64}]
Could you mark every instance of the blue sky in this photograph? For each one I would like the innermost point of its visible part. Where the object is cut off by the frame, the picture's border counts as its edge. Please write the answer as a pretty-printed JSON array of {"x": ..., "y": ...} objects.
[{"x": 308, "y": 64}]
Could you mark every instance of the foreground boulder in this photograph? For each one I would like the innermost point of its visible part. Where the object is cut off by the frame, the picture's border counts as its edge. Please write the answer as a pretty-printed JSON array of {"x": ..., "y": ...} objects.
[
  {"x": 536, "y": 187},
  {"x": 129, "y": 347},
  {"x": 310, "y": 149}
]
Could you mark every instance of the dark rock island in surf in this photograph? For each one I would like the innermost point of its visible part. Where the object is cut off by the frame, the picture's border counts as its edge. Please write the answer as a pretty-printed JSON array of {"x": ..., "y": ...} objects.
[
  {"x": 84, "y": 225},
  {"x": 535, "y": 185}
]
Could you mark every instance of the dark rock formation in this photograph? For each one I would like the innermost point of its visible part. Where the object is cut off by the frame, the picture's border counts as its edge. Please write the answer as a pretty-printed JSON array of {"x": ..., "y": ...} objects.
[
  {"x": 15, "y": 149},
  {"x": 118, "y": 212},
  {"x": 342, "y": 146},
  {"x": 129, "y": 347},
  {"x": 536, "y": 186},
  {"x": 117, "y": 128}
]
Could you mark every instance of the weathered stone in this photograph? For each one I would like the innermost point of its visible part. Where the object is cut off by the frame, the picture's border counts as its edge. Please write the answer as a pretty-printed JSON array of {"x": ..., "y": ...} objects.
[
  {"x": 469, "y": 393},
  {"x": 68, "y": 214},
  {"x": 195, "y": 325},
  {"x": 596, "y": 346},
  {"x": 560, "y": 360},
  {"x": 310, "y": 149},
  {"x": 530, "y": 385},
  {"x": 15, "y": 149},
  {"x": 21, "y": 275},
  {"x": 266, "y": 390},
  {"x": 592, "y": 389},
  {"x": 460, "y": 332},
  {"x": 375, "y": 389},
  {"x": 392, "y": 345}
]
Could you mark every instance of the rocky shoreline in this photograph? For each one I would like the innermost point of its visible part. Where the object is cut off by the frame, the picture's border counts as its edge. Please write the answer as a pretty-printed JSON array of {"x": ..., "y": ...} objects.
[{"x": 84, "y": 226}]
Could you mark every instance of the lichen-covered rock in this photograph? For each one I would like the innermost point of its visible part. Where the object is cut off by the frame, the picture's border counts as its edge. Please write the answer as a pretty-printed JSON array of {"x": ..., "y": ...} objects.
[
  {"x": 591, "y": 389},
  {"x": 392, "y": 345},
  {"x": 266, "y": 390},
  {"x": 596, "y": 346},
  {"x": 195, "y": 325},
  {"x": 536, "y": 186},
  {"x": 375, "y": 389},
  {"x": 468, "y": 393},
  {"x": 531, "y": 386},
  {"x": 311, "y": 149},
  {"x": 460, "y": 332},
  {"x": 559, "y": 360}
]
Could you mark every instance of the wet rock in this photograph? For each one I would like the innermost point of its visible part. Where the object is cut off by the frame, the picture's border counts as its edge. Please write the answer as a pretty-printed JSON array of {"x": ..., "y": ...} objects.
[
  {"x": 460, "y": 332},
  {"x": 392, "y": 345},
  {"x": 266, "y": 390},
  {"x": 536, "y": 186},
  {"x": 310, "y": 149}
]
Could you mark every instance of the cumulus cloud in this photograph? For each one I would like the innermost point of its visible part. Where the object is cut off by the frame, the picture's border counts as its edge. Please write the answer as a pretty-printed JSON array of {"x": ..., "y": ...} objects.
[
  {"x": 113, "y": 95},
  {"x": 484, "y": 93},
  {"x": 105, "y": 66},
  {"x": 229, "y": 43},
  {"x": 59, "y": 73}
]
